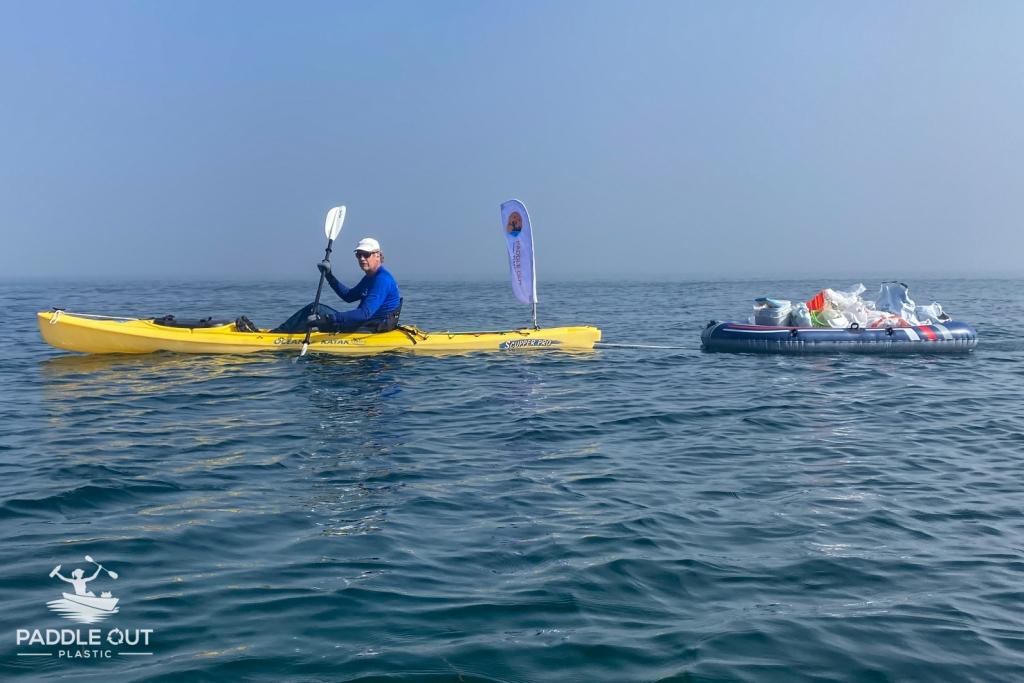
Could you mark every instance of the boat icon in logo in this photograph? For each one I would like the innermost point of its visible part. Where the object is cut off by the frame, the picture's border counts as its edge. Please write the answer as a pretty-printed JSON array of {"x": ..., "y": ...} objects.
[{"x": 83, "y": 605}]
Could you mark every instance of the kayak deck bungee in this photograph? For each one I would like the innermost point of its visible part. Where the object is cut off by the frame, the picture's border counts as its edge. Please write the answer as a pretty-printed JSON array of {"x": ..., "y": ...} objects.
[
  {"x": 104, "y": 334},
  {"x": 949, "y": 337}
]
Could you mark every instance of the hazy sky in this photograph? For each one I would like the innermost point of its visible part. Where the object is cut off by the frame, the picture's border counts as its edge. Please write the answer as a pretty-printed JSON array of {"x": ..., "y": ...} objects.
[{"x": 648, "y": 139}]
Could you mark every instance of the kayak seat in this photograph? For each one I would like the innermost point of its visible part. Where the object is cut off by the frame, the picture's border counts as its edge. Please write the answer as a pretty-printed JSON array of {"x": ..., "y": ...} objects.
[
  {"x": 171, "y": 321},
  {"x": 387, "y": 322},
  {"x": 243, "y": 324}
]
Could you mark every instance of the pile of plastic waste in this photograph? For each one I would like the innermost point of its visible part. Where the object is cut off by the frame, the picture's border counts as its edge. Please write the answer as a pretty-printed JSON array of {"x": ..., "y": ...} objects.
[{"x": 892, "y": 307}]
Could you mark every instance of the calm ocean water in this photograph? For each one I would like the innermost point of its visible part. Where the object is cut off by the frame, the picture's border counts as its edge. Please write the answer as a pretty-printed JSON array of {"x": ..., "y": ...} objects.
[{"x": 631, "y": 514}]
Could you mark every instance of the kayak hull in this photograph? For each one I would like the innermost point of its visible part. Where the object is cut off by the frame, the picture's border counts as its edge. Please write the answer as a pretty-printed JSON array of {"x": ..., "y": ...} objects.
[
  {"x": 950, "y": 337},
  {"x": 106, "y": 604},
  {"x": 95, "y": 334}
]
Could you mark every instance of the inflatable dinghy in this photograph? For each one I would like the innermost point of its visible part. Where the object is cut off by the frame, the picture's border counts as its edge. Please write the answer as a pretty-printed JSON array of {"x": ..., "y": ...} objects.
[{"x": 948, "y": 337}]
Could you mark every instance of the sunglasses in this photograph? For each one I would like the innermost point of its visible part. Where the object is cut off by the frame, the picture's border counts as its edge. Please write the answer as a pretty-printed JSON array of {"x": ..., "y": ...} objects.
[{"x": 365, "y": 254}]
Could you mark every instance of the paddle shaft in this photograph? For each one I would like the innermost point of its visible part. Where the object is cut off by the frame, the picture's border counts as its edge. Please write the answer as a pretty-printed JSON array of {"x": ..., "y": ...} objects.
[
  {"x": 112, "y": 575},
  {"x": 319, "y": 290}
]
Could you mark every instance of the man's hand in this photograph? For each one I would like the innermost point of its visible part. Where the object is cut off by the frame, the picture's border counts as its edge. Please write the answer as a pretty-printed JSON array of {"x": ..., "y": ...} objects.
[
  {"x": 318, "y": 321},
  {"x": 324, "y": 267}
]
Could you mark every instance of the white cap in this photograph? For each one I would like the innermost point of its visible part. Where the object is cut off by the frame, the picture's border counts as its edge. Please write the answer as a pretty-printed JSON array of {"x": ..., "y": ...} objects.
[{"x": 368, "y": 244}]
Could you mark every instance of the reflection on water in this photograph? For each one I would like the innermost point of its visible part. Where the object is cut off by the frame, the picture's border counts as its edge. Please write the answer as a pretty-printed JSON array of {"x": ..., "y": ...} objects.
[
  {"x": 83, "y": 614},
  {"x": 150, "y": 372},
  {"x": 356, "y": 405}
]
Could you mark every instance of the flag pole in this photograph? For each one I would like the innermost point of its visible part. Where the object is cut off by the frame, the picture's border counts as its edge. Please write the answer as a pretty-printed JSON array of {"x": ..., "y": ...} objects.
[{"x": 533, "y": 275}]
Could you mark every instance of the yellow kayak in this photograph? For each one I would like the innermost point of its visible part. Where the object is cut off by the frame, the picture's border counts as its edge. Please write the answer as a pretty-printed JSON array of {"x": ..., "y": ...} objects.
[{"x": 104, "y": 334}]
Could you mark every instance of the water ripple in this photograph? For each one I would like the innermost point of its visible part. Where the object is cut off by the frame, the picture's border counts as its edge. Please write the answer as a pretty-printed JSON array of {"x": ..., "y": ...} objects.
[{"x": 625, "y": 515}]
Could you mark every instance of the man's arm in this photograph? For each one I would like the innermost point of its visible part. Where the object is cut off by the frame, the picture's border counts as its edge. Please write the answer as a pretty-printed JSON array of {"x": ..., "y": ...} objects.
[
  {"x": 374, "y": 299},
  {"x": 346, "y": 293}
]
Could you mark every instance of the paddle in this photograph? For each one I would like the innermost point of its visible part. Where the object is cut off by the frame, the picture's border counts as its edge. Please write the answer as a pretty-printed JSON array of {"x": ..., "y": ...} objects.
[
  {"x": 113, "y": 575},
  {"x": 56, "y": 570},
  {"x": 332, "y": 227}
]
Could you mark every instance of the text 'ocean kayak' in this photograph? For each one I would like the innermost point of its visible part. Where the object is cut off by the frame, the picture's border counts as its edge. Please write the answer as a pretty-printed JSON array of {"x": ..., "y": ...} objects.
[
  {"x": 949, "y": 337},
  {"x": 102, "y": 334}
]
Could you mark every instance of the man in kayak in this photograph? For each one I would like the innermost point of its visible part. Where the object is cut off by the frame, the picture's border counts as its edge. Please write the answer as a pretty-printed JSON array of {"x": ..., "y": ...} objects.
[{"x": 380, "y": 302}]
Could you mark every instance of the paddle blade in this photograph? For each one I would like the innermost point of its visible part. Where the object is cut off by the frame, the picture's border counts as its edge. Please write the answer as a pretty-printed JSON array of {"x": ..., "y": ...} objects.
[
  {"x": 113, "y": 575},
  {"x": 335, "y": 219},
  {"x": 88, "y": 559}
]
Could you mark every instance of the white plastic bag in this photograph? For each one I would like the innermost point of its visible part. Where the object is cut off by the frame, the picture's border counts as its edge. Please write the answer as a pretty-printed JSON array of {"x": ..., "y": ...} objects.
[
  {"x": 932, "y": 313},
  {"x": 894, "y": 297},
  {"x": 848, "y": 304},
  {"x": 833, "y": 318},
  {"x": 800, "y": 316}
]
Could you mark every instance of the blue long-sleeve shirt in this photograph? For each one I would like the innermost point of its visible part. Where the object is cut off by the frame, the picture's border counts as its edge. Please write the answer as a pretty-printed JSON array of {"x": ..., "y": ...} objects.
[{"x": 377, "y": 295}]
